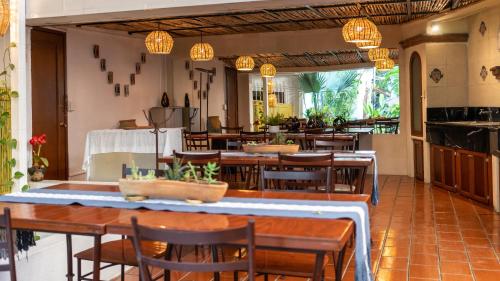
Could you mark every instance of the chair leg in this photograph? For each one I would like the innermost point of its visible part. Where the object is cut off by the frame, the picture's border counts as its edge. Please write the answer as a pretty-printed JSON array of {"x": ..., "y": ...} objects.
[
  {"x": 79, "y": 269},
  {"x": 215, "y": 258},
  {"x": 318, "y": 266},
  {"x": 266, "y": 277},
  {"x": 122, "y": 272},
  {"x": 235, "y": 276},
  {"x": 338, "y": 267},
  {"x": 69, "y": 258}
]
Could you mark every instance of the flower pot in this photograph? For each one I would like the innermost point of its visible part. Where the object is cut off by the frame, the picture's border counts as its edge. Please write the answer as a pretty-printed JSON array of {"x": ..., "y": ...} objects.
[
  {"x": 177, "y": 190},
  {"x": 274, "y": 129},
  {"x": 36, "y": 173}
]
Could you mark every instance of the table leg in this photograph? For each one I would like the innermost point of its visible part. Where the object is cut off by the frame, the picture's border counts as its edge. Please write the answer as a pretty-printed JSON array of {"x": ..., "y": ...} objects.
[
  {"x": 97, "y": 258},
  {"x": 318, "y": 267},
  {"x": 69, "y": 258},
  {"x": 339, "y": 264}
]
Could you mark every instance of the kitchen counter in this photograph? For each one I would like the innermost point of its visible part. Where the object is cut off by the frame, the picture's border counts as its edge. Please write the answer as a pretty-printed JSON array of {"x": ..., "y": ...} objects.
[{"x": 495, "y": 125}]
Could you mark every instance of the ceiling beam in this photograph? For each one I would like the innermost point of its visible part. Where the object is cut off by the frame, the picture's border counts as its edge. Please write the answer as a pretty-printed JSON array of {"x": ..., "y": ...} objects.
[
  {"x": 444, "y": 38},
  {"x": 408, "y": 10},
  {"x": 454, "y": 4},
  {"x": 291, "y": 59},
  {"x": 311, "y": 58},
  {"x": 360, "y": 56},
  {"x": 335, "y": 56}
]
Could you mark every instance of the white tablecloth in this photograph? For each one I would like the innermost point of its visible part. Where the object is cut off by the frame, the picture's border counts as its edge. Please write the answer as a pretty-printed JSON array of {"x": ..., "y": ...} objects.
[{"x": 132, "y": 141}]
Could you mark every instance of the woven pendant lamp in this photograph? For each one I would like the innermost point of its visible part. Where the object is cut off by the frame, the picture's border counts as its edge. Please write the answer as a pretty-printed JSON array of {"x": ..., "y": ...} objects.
[
  {"x": 245, "y": 63},
  {"x": 267, "y": 70},
  {"x": 4, "y": 17},
  {"x": 202, "y": 51},
  {"x": 371, "y": 44},
  {"x": 378, "y": 54},
  {"x": 359, "y": 30},
  {"x": 159, "y": 42},
  {"x": 384, "y": 65}
]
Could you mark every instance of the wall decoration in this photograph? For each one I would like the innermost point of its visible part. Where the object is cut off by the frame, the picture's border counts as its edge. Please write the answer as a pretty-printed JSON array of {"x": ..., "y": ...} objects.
[
  {"x": 143, "y": 57},
  {"x": 483, "y": 73},
  {"x": 165, "y": 102},
  {"x": 117, "y": 89},
  {"x": 211, "y": 78},
  {"x": 103, "y": 64},
  {"x": 110, "y": 77},
  {"x": 191, "y": 75},
  {"x": 186, "y": 100},
  {"x": 195, "y": 85},
  {"x": 95, "y": 51},
  {"x": 126, "y": 90},
  {"x": 187, "y": 65},
  {"x": 496, "y": 72},
  {"x": 436, "y": 75},
  {"x": 137, "y": 68},
  {"x": 482, "y": 28},
  {"x": 132, "y": 79}
]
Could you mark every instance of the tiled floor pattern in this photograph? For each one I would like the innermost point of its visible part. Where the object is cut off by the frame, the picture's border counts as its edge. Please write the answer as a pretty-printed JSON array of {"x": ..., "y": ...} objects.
[{"x": 419, "y": 234}]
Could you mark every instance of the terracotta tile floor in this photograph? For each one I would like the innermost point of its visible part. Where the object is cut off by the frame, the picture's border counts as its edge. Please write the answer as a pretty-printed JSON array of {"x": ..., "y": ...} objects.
[{"x": 420, "y": 233}]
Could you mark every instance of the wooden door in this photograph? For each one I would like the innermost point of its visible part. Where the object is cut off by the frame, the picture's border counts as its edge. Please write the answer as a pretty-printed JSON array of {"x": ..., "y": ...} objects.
[
  {"x": 443, "y": 167},
  {"x": 231, "y": 97},
  {"x": 48, "y": 82},
  {"x": 474, "y": 175},
  {"x": 418, "y": 160}
]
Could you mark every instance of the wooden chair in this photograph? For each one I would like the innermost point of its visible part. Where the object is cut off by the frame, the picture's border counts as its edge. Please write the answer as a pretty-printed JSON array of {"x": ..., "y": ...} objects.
[
  {"x": 310, "y": 135},
  {"x": 302, "y": 181},
  {"x": 200, "y": 159},
  {"x": 344, "y": 145},
  {"x": 185, "y": 238},
  {"x": 7, "y": 246},
  {"x": 196, "y": 140},
  {"x": 119, "y": 252},
  {"x": 258, "y": 137}
]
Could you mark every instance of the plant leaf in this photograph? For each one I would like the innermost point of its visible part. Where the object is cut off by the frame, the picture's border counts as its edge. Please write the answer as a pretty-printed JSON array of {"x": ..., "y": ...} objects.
[
  {"x": 18, "y": 175},
  {"x": 44, "y": 161},
  {"x": 25, "y": 188},
  {"x": 12, "y": 66},
  {"x": 14, "y": 94}
]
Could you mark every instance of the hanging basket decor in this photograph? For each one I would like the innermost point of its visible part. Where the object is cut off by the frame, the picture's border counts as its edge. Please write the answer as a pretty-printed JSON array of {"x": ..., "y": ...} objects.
[
  {"x": 159, "y": 42},
  {"x": 384, "y": 65},
  {"x": 359, "y": 30},
  {"x": 267, "y": 70},
  {"x": 5, "y": 17},
  {"x": 202, "y": 52},
  {"x": 245, "y": 63},
  {"x": 378, "y": 54},
  {"x": 371, "y": 44}
]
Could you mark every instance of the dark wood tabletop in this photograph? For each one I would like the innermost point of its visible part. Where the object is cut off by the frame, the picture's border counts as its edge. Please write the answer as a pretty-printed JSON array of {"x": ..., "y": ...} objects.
[{"x": 271, "y": 232}]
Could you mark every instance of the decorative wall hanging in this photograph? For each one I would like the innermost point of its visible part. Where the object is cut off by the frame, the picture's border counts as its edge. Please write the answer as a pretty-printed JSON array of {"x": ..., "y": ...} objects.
[
  {"x": 436, "y": 75},
  {"x": 137, "y": 68},
  {"x": 159, "y": 42},
  {"x": 110, "y": 77},
  {"x": 195, "y": 85},
  {"x": 117, "y": 89},
  {"x": 496, "y": 72},
  {"x": 165, "y": 102},
  {"x": 103, "y": 64},
  {"x": 187, "y": 65},
  {"x": 143, "y": 57},
  {"x": 132, "y": 79},
  {"x": 95, "y": 51},
  {"x": 482, "y": 28},
  {"x": 126, "y": 90},
  {"x": 211, "y": 78},
  {"x": 186, "y": 100},
  {"x": 483, "y": 73},
  {"x": 191, "y": 75},
  {"x": 4, "y": 17}
]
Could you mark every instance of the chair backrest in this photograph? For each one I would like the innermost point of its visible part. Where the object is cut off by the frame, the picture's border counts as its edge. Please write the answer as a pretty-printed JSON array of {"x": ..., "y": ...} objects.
[
  {"x": 127, "y": 171},
  {"x": 7, "y": 246},
  {"x": 305, "y": 161},
  {"x": 310, "y": 135},
  {"x": 212, "y": 238},
  {"x": 234, "y": 130},
  {"x": 293, "y": 180},
  {"x": 258, "y": 137},
  {"x": 346, "y": 145},
  {"x": 196, "y": 140},
  {"x": 198, "y": 160}
]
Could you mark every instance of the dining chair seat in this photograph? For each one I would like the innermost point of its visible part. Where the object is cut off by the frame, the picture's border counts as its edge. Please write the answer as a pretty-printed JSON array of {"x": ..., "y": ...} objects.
[{"x": 286, "y": 263}]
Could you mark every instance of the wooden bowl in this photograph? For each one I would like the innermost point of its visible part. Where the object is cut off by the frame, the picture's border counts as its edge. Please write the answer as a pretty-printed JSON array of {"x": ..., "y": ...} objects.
[
  {"x": 177, "y": 190},
  {"x": 271, "y": 148}
]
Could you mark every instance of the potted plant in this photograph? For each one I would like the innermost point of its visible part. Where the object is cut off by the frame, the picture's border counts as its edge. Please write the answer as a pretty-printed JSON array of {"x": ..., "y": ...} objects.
[
  {"x": 181, "y": 182},
  {"x": 40, "y": 164},
  {"x": 274, "y": 121},
  {"x": 279, "y": 144}
]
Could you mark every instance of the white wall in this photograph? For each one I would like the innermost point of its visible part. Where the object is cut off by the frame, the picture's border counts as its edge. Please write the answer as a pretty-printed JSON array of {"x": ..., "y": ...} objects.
[{"x": 93, "y": 103}]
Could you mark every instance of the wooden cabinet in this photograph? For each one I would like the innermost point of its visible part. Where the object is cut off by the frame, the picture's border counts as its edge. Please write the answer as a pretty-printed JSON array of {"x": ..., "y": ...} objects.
[
  {"x": 418, "y": 159},
  {"x": 462, "y": 171},
  {"x": 474, "y": 175}
]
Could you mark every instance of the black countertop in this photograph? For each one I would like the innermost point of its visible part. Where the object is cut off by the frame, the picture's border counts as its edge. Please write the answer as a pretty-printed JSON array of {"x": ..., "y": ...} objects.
[{"x": 492, "y": 125}]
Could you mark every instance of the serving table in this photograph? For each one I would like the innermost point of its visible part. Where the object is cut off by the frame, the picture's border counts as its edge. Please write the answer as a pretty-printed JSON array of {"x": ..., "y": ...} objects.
[{"x": 307, "y": 234}]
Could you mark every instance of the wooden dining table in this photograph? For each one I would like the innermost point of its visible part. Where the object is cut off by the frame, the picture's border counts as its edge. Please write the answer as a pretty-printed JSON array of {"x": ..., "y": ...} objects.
[{"x": 317, "y": 236}]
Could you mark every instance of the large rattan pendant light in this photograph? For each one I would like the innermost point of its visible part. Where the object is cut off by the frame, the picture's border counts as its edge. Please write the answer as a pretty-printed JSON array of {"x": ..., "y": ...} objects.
[
  {"x": 384, "y": 65},
  {"x": 159, "y": 42},
  {"x": 4, "y": 17},
  {"x": 359, "y": 30},
  {"x": 267, "y": 70},
  {"x": 371, "y": 44},
  {"x": 378, "y": 54},
  {"x": 202, "y": 51},
  {"x": 245, "y": 63}
]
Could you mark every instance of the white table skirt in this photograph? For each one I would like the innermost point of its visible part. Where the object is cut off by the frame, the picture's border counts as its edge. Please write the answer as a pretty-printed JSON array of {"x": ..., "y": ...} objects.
[{"x": 131, "y": 141}]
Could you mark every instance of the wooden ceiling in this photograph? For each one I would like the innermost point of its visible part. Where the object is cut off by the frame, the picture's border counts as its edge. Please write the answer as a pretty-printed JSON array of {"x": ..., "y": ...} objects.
[
  {"x": 382, "y": 12},
  {"x": 310, "y": 59}
]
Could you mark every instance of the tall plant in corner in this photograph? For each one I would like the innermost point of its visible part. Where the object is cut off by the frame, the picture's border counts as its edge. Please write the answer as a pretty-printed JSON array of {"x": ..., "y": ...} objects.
[{"x": 7, "y": 142}]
